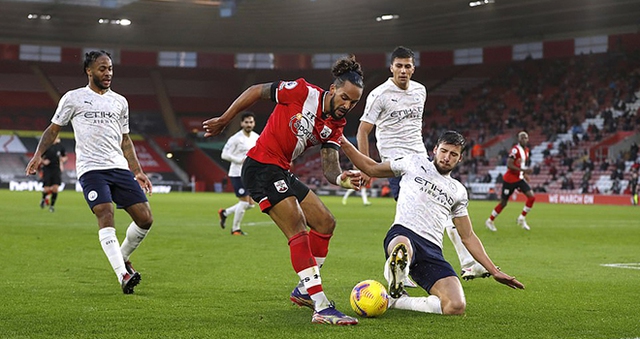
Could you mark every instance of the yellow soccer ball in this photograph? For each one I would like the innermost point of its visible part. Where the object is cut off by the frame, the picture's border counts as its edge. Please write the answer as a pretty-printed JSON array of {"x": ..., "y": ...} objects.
[{"x": 369, "y": 299}]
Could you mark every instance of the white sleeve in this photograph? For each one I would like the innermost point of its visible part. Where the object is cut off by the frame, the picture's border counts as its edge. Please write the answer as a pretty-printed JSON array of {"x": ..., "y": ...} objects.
[
  {"x": 372, "y": 109},
  {"x": 65, "y": 111},
  {"x": 124, "y": 117},
  {"x": 459, "y": 209},
  {"x": 399, "y": 166}
]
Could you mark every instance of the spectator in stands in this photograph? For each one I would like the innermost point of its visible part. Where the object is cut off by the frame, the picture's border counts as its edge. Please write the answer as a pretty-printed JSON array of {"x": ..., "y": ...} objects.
[
  {"x": 536, "y": 169},
  {"x": 516, "y": 177},
  {"x": 53, "y": 160},
  {"x": 587, "y": 164},
  {"x": 395, "y": 109},
  {"x": 235, "y": 151},
  {"x": 633, "y": 152},
  {"x": 567, "y": 183},
  {"x": 107, "y": 165},
  {"x": 617, "y": 174},
  {"x": 553, "y": 171},
  {"x": 540, "y": 189},
  {"x": 305, "y": 115},
  {"x": 615, "y": 186},
  {"x": 604, "y": 165}
]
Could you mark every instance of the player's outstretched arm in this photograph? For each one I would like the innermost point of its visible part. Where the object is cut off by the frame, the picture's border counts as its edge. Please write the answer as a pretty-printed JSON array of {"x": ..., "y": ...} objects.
[
  {"x": 364, "y": 163},
  {"x": 250, "y": 96},
  {"x": 334, "y": 174},
  {"x": 364, "y": 129},
  {"x": 48, "y": 137},
  {"x": 475, "y": 247}
]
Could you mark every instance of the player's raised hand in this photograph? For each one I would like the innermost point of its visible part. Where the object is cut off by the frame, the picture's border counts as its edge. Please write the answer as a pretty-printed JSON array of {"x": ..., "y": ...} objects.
[{"x": 213, "y": 126}]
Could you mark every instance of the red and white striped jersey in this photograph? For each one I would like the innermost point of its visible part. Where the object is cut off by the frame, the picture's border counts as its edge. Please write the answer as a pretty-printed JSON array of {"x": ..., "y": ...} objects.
[
  {"x": 519, "y": 155},
  {"x": 295, "y": 124}
]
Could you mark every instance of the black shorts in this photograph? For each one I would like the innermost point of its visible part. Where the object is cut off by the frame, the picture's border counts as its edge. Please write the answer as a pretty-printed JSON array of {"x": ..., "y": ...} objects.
[
  {"x": 509, "y": 188},
  {"x": 113, "y": 185},
  {"x": 51, "y": 177},
  {"x": 428, "y": 264},
  {"x": 238, "y": 187},
  {"x": 269, "y": 184}
]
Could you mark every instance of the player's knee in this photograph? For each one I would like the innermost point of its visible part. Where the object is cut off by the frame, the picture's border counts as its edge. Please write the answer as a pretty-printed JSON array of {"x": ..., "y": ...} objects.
[
  {"x": 146, "y": 222},
  {"x": 454, "y": 307},
  {"x": 328, "y": 224}
]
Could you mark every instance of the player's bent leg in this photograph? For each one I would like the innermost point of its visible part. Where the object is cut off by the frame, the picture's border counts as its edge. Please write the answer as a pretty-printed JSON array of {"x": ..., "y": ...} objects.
[
  {"x": 396, "y": 268},
  {"x": 141, "y": 214},
  {"x": 451, "y": 295},
  {"x": 317, "y": 215}
]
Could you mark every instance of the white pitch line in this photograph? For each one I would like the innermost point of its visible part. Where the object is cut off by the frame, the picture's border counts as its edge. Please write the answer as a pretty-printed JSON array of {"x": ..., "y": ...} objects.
[
  {"x": 260, "y": 223},
  {"x": 633, "y": 265}
]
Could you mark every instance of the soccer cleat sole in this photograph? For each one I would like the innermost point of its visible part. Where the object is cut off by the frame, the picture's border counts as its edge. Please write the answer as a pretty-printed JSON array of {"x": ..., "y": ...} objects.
[
  {"x": 471, "y": 276},
  {"x": 133, "y": 281},
  {"x": 223, "y": 218},
  {"x": 398, "y": 262},
  {"x": 333, "y": 320},
  {"x": 302, "y": 302}
]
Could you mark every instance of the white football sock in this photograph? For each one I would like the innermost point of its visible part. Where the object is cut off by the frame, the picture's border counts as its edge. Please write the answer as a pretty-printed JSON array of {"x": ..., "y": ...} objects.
[
  {"x": 134, "y": 237},
  {"x": 430, "y": 304},
  {"x": 111, "y": 248},
  {"x": 232, "y": 209},
  {"x": 310, "y": 277},
  {"x": 319, "y": 262},
  {"x": 466, "y": 259},
  {"x": 241, "y": 207}
]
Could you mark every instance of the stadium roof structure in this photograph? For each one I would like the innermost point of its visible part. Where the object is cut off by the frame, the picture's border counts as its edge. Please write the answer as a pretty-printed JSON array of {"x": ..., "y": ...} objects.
[{"x": 309, "y": 26}]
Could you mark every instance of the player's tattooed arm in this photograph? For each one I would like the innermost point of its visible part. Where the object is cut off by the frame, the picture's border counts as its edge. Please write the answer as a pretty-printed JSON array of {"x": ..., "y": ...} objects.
[
  {"x": 265, "y": 91},
  {"x": 129, "y": 152},
  {"x": 330, "y": 163},
  {"x": 46, "y": 140}
]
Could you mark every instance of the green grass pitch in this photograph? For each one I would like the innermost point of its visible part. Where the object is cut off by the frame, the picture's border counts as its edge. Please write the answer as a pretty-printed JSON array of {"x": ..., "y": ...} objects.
[{"x": 200, "y": 282}]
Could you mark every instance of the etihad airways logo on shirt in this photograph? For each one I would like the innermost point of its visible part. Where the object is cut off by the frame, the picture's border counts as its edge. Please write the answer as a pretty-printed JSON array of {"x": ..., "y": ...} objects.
[
  {"x": 407, "y": 113},
  {"x": 434, "y": 191},
  {"x": 100, "y": 117}
]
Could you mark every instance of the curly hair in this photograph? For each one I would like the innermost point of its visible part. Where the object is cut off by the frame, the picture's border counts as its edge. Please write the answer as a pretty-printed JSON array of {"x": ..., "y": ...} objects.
[
  {"x": 348, "y": 69},
  {"x": 91, "y": 57}
]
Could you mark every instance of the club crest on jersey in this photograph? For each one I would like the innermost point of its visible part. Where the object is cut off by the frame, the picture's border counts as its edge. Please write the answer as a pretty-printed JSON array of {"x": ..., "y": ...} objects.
[
  {"x": 281, "y": 186},
  {"x": 288, "y": 84},
  {"x": 326, "y": 132}
]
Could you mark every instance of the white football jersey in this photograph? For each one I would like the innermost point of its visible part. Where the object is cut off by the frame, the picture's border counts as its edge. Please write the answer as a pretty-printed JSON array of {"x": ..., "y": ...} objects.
[
  {"x": 397, "y": 114},
  {"x": 428, "y": 200},
  {"x": 98, "y": 121},
  {"x": 235, "y": 150}
]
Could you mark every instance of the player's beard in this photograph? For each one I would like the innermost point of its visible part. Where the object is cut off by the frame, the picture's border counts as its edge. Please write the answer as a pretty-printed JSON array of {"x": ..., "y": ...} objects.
[
  {"x": 441, "y": 170},
  {"x": 98, "y": 83},
  {"x": 332, "y": 110}
]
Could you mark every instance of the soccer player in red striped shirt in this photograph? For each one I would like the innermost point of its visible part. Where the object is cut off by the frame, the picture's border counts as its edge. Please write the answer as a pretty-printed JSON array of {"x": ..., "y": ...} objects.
[{"x": 305, "y": 115}]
